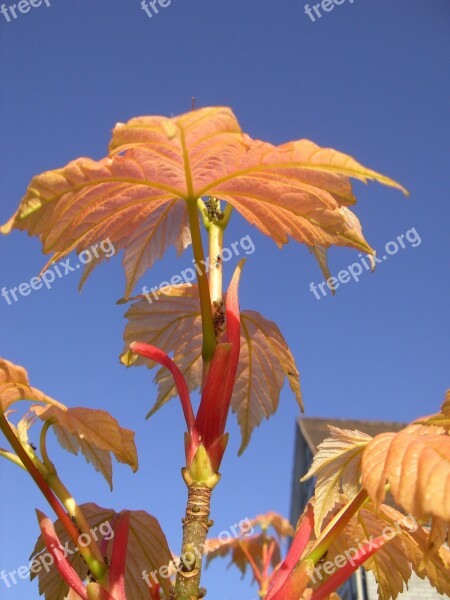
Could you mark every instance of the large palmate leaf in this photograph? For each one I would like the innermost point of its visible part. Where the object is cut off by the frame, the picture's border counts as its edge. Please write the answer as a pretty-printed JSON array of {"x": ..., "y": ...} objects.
[
  {"x": 136, "y": 197},
  {"x": 337, "y": 466},
  {"x": 95, "y": 432},
  {"x": 172, "y": 322},
  {"x": 15, "y": 386},
  {"x": 147, "y": 550}
]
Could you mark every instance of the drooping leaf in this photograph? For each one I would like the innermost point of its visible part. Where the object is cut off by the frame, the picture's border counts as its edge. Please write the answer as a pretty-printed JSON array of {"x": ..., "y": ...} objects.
[
  {"x": 95, "y": 432},
  {"x": 417, "y": 468},
  {"x": 337, "y": 466},
  {"x": 170, "y": 320},
  {"x": 147, "y": 550},
  {"x": 137, "y": 196},
  {"x": 320, "y": 252},
  {"x": 15, "y": 386},
  {"x": 173, "y": 324},
  {"x": 265, "y": 363}
]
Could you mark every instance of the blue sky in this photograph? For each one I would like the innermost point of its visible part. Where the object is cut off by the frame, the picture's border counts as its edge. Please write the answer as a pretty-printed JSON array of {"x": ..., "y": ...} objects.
[{"x": 370, "y": 79}]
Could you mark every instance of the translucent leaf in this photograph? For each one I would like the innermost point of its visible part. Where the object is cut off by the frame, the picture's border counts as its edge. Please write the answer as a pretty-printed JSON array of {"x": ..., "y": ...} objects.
[
  {"x": 136, "y": 197},
  {"x": 417, "y": 467},
  {"x": 147, "y": 550},
  {"x": 337, "y": 466},
  {"x": 95, "y": 432},
  {"x": 172, "y": 322},
  {"x": 15, "y": 386}
]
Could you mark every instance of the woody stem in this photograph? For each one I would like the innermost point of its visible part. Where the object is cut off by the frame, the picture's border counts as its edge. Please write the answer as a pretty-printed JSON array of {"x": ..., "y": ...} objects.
[{"x": 196, "y": 525}]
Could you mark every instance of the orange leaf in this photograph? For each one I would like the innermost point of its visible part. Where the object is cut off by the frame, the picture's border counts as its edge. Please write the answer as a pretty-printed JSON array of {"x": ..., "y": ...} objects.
[
  {"x": 15, "y": 386},
  {"x": 137, "y": 196},
  {"x": 147, "y": 546},
  {"x": 417, "y": 467},
  {"x": 95, "y": 432},
  {"x": 173, "y": 323}
]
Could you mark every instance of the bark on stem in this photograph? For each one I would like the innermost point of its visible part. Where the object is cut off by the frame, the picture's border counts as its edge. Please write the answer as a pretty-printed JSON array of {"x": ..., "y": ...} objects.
[{"x": 196, "y": 525}]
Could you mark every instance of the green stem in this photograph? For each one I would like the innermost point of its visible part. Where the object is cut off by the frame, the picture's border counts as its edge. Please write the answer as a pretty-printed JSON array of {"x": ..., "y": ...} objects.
[
  {"x": 209, "y": 338},
  {"x": 98, "y": 569},
  {"x": 335, "y": 527},
  {"x": 43, "y": 448},
  {"x": 64, "y": 496}
]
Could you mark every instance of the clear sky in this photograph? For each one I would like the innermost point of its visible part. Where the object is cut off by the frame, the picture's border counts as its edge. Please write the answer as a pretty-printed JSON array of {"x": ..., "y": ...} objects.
[{"x": 368, "y": 78}]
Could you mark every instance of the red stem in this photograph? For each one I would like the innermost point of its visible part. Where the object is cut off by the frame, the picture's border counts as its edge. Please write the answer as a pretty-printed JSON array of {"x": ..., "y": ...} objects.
[
  {"x": 39, "y": 479},
  {"x": 256, "y": 571}
]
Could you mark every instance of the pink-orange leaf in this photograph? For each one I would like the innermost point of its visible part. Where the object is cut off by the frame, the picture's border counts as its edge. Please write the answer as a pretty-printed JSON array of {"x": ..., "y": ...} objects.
[
  {"x": 172, "y": 322},
  {"x": 136, "y": 197},
  {"x": 417, "y": 467},
  {"x": 147, "y": 547},
  {"x": 95, "y": 432}
]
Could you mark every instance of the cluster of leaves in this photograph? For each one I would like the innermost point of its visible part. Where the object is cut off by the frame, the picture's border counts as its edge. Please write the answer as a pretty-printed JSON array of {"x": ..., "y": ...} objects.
[
  {"x": 160, "y": 176},
  {"x": 350, "y": 522},
  {"x": 406, "y": 477},
  {"x": 98, "y": 436}
]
